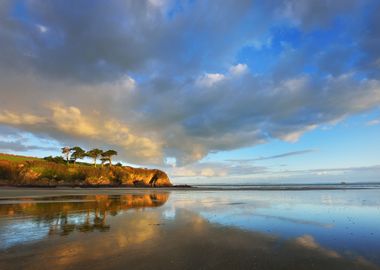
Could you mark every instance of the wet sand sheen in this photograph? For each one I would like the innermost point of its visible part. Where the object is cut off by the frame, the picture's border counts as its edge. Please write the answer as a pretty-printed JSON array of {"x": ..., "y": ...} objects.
[{"x": 159, "y": 230}]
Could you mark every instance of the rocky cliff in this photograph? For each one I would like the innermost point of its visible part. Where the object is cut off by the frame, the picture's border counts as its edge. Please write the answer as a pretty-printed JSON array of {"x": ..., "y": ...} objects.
[{"x": 145, "y": 177}]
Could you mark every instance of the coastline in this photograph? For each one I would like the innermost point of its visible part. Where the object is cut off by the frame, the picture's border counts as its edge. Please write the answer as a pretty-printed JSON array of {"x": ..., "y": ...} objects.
[{"x": 43, "y": 191}]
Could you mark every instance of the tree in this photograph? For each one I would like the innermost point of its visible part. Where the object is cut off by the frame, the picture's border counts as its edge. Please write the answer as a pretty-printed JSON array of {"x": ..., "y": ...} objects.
[
  {"x": 94, "y": 153},
  {"x": 78, "y": 153},
  {"x": 103, "y": 160},
  {"x": 66, "y": 152},
  {"x": 107, "y": 155}
]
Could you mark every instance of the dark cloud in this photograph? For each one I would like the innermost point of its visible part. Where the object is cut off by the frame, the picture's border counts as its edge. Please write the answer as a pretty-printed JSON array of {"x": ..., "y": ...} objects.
[
  {"x": 18, "y": 146},
  {"x": 312, "y": 14},
  {"x": 8, "y": 132},
  {"x": 288, "y": 154},
  {"x": 93, "y": 41},
  {"x": 96, "y": 41},
  {"x": 369, "y": 42}
]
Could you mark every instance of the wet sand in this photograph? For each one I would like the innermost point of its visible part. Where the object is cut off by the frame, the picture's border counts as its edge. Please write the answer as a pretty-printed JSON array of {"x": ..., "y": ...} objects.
[
  {"x": 9, "y": 191},
  {"x": 19, "y": 192},
  {"x": 166, "y": 229}
]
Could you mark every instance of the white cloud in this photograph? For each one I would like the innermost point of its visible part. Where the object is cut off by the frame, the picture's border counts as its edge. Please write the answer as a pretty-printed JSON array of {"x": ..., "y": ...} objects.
[
  {"x": 158, "y": 3},
  {"x": 261, "y": 44},
  {"x": 239, "y": 69},
  {"x": 128, "y": 83},
  {"x": 42, "y": 28},
  {"x": 294, "y": 136},
  {"x": 210, "y": 79},
  {"x": 373, "y": 122}
]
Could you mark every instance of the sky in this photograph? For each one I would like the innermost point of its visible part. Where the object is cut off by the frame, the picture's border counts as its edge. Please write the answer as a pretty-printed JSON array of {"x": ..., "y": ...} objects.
[{"x": 212, "y": 92}]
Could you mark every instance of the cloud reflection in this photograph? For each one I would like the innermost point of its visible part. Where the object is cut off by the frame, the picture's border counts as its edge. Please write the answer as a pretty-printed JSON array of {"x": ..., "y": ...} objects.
[{"x": 179, "y": 235}]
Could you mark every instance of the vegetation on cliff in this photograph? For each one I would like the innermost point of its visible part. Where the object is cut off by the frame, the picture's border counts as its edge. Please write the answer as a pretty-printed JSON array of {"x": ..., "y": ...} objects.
[
  {"x": 56, "y": 171},
  {"x": 72, "y": 154}
]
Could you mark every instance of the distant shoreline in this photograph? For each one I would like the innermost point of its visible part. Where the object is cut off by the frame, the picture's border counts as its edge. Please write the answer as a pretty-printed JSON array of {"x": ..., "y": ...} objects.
[
  {"x": 91, "y": 186},
  {"x": 326, "y": 186},
  {"x": 105, "y": 188}
]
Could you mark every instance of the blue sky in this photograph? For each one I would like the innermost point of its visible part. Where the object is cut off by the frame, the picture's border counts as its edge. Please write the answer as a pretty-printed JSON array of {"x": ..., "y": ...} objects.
[{"x": 241, "y": 91}]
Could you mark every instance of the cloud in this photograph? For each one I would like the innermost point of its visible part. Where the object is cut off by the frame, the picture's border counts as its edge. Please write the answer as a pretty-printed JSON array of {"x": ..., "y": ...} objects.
[
  {"x": 117, "y": 37},
  {"x": 171, "y": 119},
  {"x": 287, "y": 154},
  {"x": 19, "y": 146},
  {"x": 162, "y": 79},
  {"x": 373, "y": 122},
  {"x": 347, "y": 169},
  {"x": 42, "y": 28},
  {"x": 315, "y": 13},
  {"x": 93, "y": 130},
  {"x": 10, "y": 118},
  {"x": 209, "y": 79},
  {"x": 246, "y": 173},
  {"x": 330, "y": 174},
  {"x": 215, "y": 170},
  {"x": 239, "y": 69},
  {"x": 71, "y": 121}
]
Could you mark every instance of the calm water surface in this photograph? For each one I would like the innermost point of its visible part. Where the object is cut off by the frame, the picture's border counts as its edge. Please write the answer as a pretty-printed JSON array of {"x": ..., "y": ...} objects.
[{"x": 320, "y": 229}]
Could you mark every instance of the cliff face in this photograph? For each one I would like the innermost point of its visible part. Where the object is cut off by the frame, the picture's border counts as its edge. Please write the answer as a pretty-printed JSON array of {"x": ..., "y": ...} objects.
[
  {"x": 39, "y": 172},
  {"x": 145, "y": 177}
]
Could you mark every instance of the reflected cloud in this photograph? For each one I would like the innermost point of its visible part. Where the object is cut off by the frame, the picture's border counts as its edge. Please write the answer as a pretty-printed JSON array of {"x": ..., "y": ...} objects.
[
  {"x": 297, "y": 221},
  {"x": 191, "y": 231},
  {"x": 308, "y": 242}
]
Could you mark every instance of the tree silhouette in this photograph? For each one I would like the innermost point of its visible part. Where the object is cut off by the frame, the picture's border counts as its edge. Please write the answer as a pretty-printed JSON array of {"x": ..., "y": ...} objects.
[
  {"x": 94, "y": 153},
  {"x": 78, "y": 153},
  {"x": 107, "y": 155},
  {"x": 66, "y": 152}
]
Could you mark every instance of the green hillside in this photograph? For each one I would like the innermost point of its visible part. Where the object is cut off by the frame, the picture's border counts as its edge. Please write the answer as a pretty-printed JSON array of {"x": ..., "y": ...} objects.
[{"x": 32, "y": 171}]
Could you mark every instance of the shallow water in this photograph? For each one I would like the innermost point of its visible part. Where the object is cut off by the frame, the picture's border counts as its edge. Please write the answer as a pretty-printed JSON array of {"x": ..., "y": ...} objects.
[{"x": 230, "y": 229}]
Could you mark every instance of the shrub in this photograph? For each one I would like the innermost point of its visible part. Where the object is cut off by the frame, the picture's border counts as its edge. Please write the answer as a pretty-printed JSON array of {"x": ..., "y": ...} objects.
[
  {"x": 78, "y": 175},
  {"x": 57, "y": 159},
  {"x": 8, "y": 170}
]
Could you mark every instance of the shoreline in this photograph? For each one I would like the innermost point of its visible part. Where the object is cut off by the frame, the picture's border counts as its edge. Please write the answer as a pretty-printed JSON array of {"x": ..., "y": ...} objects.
[{"x": 43, "y": 191}]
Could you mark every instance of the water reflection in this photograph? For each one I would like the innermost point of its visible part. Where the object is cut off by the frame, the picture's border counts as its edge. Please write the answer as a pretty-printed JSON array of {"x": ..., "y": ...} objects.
[
  {"x": 27, "y": 217},
  {"x": 192, "y": 230}
]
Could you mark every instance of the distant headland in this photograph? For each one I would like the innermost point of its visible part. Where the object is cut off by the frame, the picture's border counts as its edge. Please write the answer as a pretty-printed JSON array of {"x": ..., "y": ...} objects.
[{"x": 16, "y": 170}]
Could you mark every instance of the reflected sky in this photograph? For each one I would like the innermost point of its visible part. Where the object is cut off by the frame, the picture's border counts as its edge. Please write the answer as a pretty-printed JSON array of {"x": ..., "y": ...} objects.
[
  {"x": 345, "y": 220},
  {"x": 338, "y": 229}
]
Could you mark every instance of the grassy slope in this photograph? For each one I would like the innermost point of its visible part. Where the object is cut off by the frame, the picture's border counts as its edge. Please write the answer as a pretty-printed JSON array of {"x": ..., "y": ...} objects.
[
  {"x": 25, "y": 170},
  {"x": 16, "y": 158}
]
